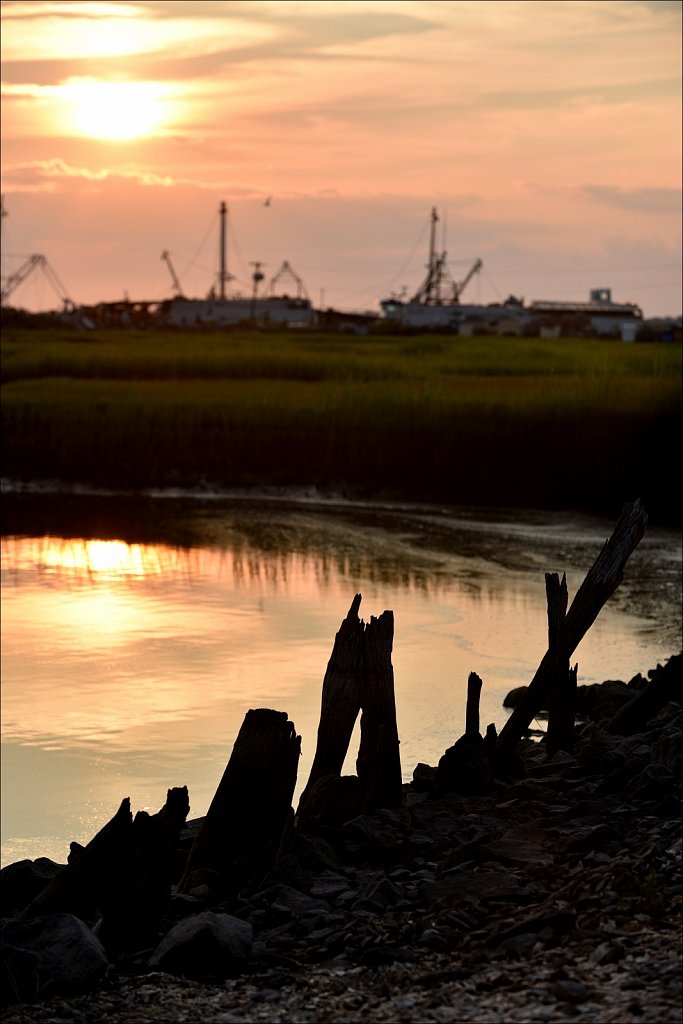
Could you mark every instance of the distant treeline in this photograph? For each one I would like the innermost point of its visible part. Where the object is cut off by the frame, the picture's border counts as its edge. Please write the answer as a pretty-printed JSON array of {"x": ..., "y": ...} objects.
[{"x": 477, "y": 421}]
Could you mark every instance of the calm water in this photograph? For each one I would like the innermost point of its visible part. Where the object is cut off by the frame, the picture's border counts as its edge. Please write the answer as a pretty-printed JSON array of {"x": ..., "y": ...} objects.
[{"x": 134, "y": 639}]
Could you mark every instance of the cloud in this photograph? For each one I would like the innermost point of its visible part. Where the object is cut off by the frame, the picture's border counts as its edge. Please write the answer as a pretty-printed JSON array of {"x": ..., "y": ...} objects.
[
  {"x": 646, "y": 200},
  {"x": 45, "y": 175}
]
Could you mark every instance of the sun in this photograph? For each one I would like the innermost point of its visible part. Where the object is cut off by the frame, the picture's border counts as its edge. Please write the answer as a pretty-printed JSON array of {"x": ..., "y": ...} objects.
[{"x": 115, "y": 110}]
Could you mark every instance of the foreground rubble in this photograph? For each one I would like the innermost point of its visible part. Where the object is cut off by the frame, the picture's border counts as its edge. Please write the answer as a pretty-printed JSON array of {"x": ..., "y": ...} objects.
[{"x": 553, "y": 896}]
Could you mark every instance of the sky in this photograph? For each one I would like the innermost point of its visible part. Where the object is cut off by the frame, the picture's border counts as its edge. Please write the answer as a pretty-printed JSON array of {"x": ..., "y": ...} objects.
[{"x": 547, "y": 135}]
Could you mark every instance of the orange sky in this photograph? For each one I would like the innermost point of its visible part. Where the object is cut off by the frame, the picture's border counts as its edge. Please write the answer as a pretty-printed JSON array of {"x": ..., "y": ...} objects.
[{"x": 547, "y": 134}]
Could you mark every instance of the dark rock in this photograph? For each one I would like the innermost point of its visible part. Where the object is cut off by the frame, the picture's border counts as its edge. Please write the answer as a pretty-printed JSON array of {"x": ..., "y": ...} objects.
[
  {"x": 52, "y": 955},
  {"x": 207, "y": 945},
  {"x": 570, "y": 991},
  {"x": 378, "y": 956},
  {"x": 21, "y": 882},
  {"x": 378, "y": 836}
]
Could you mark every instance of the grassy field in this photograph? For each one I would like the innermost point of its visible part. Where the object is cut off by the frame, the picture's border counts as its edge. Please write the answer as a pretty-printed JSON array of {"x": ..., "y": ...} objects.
[{"x": 566, "y": 423}]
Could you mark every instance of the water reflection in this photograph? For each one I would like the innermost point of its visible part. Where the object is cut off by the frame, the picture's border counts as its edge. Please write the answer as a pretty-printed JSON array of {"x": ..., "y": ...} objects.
[{"x": 128, "y": 666}]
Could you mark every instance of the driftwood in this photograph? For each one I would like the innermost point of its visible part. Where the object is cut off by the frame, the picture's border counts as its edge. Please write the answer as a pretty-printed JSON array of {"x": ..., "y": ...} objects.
[
  {"x": 241, "y": 833},
  {"x": 359, "y": 678},
  {"x": 600, "y": 583},
  {"x": 125, "y": 872}
]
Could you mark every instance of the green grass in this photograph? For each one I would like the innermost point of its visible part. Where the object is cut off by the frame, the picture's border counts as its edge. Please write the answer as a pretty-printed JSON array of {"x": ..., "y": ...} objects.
[{"x": 472, "y": 421}]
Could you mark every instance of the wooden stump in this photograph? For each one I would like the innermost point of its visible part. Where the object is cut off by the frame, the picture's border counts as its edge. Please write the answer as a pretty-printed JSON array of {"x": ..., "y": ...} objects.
[
  {"x": 125, "y": 872},
  {"x": 562, "y": 679},
  {"x": 474, "y": 685},
  {"x": 359, "y": 677},
  {"x": 241, "y": 833},
  {"x": 600, "y": 583},
  {"x": 341, "y": 699},
  {"x": 379, "y": 763}
]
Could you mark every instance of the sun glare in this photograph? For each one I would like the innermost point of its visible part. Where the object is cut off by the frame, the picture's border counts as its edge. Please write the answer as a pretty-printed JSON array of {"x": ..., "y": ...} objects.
[{"x": 115, "y": 110}]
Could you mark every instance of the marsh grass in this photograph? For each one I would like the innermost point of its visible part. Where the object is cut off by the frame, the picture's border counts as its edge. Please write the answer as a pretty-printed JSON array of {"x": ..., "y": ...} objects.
[{"x": 561, "y": 423}]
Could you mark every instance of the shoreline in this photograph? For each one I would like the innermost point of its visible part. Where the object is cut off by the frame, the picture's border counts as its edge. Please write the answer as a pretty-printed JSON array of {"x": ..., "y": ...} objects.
[{"x": 556, "y": 895}]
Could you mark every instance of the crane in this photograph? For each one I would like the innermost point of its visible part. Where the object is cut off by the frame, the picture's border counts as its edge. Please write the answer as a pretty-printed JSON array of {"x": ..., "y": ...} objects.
[
  {"x": 178, "y": 291},
  {"x": 430, "y": 291},
  {"x": 286, "y": 270},
  {"x": 27, "y": 268},
  {"x": 459, "y": 288}
]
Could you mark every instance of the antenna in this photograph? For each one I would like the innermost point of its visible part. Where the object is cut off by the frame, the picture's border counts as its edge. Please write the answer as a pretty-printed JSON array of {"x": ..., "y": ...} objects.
[
  {"x": 256, "y": 277},
  {"x": 223, "y": 276}
]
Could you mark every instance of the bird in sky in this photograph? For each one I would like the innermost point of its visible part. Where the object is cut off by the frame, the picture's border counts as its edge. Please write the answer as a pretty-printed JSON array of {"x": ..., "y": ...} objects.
[{"x": 268, "y": 201}]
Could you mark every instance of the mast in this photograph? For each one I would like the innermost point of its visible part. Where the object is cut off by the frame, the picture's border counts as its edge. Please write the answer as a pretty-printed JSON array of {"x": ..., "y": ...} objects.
[
  {"x": 429, "y": 290},
  {"x": 223, "y": 276}
]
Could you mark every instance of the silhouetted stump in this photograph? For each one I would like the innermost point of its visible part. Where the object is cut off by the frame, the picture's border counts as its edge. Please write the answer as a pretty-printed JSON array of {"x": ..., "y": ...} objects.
[
  {"x": 341, "y": 699},
  {"x": 474, "y": 685},
  {"x": 600, "y": 583},
  {"x": 465, "y": 768},
  {"x": 379, "y": 763},
  {"x": 78, "y": 889},
  {"x": 134, "y": 905},
  {"x": 125, "y": 872},
  {"x": 359, "y": 677},
  {"x": 243, "y": 828},
  {"x": 562, "y": 681}
]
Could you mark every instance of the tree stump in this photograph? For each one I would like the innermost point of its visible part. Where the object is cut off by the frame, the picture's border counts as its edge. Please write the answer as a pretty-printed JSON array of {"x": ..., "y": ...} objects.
[
  {"x": 359, "y": 677},
  {"x": 562, "y": 679},
  {"x": 241, "y": 833},
  {"x": 600, "y": 583},
  {"x": 341, "y": 699},
  {"x": 125, "y": 872},
  {"x": 379, "y": 763},
  {"x": 474, "y": 685}
]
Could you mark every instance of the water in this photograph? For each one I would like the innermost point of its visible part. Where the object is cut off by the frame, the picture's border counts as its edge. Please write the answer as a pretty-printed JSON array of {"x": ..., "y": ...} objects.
[{"x": 136, "y": 635}]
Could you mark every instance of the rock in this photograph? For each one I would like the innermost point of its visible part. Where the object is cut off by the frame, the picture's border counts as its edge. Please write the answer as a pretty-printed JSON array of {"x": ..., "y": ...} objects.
[
  {"x": 207, "y": 945},
  {"x": 578, "y": 864},
  {"x": 52, "y": 955},
  {"x": 21, "y": 882}
]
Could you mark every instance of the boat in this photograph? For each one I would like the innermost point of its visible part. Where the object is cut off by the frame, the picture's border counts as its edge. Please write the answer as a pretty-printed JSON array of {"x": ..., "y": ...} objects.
[
  {"x": 437, "y": 302},
  {"x": 291, "y": 308}
]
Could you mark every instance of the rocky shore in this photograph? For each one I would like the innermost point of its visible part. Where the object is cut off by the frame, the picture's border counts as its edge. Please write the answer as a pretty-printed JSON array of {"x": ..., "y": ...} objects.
[{"x": 552, "y": 894}]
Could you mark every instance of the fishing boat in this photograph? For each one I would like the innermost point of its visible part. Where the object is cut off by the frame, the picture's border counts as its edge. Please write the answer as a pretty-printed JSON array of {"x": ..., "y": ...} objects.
[
  {"x": 437, "y": 302},
  {"x": 290, "y": 307}
]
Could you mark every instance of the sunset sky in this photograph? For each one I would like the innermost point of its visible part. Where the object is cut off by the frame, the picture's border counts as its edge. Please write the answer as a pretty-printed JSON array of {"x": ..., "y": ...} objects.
[{"x": 547, "y": 135}]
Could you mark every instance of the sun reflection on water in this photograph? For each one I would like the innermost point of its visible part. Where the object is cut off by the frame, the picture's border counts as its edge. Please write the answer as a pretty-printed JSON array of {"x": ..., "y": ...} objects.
[{"x": 128, "y": 667}]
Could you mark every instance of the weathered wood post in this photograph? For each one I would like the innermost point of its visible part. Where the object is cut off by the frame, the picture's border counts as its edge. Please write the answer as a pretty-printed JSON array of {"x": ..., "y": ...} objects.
[
  {"x": 242, "y": 830},
  {"x": 341, "y": 699},
  {"x": 562, "y": 682},
  {"x": 125, "y": 872},
  {"x": 600, "y": 583},
  {"x": 359, "y": 677},
  {"x": 78, "y": 888},
  {"x": 134, "y": 905},
  {"x": 379, "y": 763},
  {"x": 474, "y": 685}
]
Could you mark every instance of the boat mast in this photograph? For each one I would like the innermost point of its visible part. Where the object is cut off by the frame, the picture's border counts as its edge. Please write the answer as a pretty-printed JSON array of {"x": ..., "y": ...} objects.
[
  {"x": 429, "y": 291},
  {"x": 223, "y": 275}
]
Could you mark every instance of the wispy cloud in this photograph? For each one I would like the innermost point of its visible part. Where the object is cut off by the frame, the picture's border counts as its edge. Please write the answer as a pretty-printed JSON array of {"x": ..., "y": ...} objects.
[
  {"x": 547, "y": 127},
  {"x": 648, "y": 200},
  {"x": 45, "y": 175}
]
